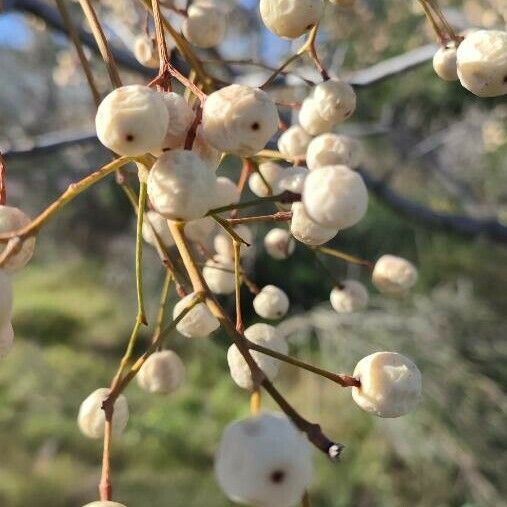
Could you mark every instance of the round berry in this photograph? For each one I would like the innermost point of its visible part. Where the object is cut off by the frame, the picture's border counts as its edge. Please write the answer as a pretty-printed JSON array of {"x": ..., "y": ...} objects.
[
  {"x": 163, "y": 372},
  {"x": 200, "y": 230},
  {"x": 223, "y": 242},
  {"x": 91, "y": 418},
  {"x": 266, "y": 336},
  {"x": 335, "y": 100},
  {"x": 239, "y": 119},
  {"x": 181, "y": 118},
  {"x": 293, "y": 142},
  {"x": 146, "y": 52},
  {"x": 310, "y": 119},
  {"x": 264, "y": 461},
  {"x": 199, "y": 322},
  {"x": 335, "y": 196},
  {"x": 6, "y": 338},
  {"x": 265, "y": 180},
  {"x": 278, "y": 243},
  {"x": 5, "y": 298},
  {"x": 394, "y": 275},
  {"x": 444, "y": 63},
  {"x": 226, "y": 192},
  {"x": 219, "y": 275},
  {"x": 304, "y": 229},
  {"x": 132, "y": 120},
  {"x": 13, "y": 219},
  {"x": 271, "y": 303},
  {"x": 179, "y": 185},
  {"x": 204, "y": 25},
  {"x": 155, "y": 223},
  {"x": 290, "y": 18},
  {"x": 482, "y": 63},
  {"x": 390, "y": 384},
  {"x": 333, "y": 149},
  {"x": 350, "y": 297}
]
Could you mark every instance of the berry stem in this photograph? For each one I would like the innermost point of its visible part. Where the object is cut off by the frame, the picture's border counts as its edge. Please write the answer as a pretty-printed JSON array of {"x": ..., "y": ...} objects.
[
  {"x": 164, "y": 295},
  {"x": 279, "y": 216},
  {"x": 255, "y": 402},
  {"x": 352, "y": 259},
  {"x": 237, "y": 286},
  {"x": 285, "y": 197},
  {"x": 141, "y": 315},
  {"x": 3, "y": 181}
]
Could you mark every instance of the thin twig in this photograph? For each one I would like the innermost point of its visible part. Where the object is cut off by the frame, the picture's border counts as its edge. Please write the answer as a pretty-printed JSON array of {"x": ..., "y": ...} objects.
[
  {"x": 344, "y": 256},
  {"x": 139, "y": 252},
  {"x": 3, "y": 181}
]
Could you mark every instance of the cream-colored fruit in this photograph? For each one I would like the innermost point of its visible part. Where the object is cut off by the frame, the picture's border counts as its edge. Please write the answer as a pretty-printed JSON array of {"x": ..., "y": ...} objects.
[
  {"x": 271, "y": 303},
  {"x": 264, "y": 461},
  {"x": 390, "y": 384},
  {"x": 264, "y": 182},
  {"x": 91, "y": 418},
  {"x": 350, "y": 297},
  {"x": 266, "y": 336},
  {"x": 293, "y": 179},
  {"x": 155, "y": 223},
  {"x": 482, "y": 63},
  {"x": 310, "y": 119},
  {"x": 6, "y": 338},
  {"x": 204, "y": 25},
  {"x": 279, "y": 244},
  {"x": 5, "y": 298},
  {"x": 239, "y": 119},
  {"x": 294, "y": 142},
  {"x": 223, "y": 242},
  {"x": 394, "y": 275},
  {"x": 13, "y": 219},
  {"x": 219, "y": 275},
  {"x": 335, "y": 100},
  {"x": 226, "y": 192},
  {"x": 333, "y": 149},
  {"x": 304, "y": 229},
  {"x": 163, "y": 372},
  {"x": 290, "y": 18},
  {"x": 335, "y": 196},
  {"x": 199, "y": 322},
  {"x": 180, "y": 185},
  {"x": 132, "y": 120},
  {"x": 444, "y": 63},
  {"x": 200, "y": 230},
  {"x": 146, "y": 52},
  {"x": 181, "y": 118}
]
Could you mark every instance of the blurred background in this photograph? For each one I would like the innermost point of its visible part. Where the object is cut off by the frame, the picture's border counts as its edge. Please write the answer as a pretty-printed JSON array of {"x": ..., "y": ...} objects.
[{"x": 431, "y": 150}]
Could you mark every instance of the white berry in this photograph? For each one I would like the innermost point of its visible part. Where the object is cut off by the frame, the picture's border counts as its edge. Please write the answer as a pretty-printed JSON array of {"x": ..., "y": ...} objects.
[
  {"x": 104, "y": 504},
  {"x": 181, "y": 118},
  {"x": 264, "y": 461},
  {"x": 208, "y": 153},
  {"x": 335, "y": 196},
  {"x": 163, "y": 372},
  {"x": 482, "y": 63},
  {"x": 204, "y": 25},
  {"x": 271, "y": 303},
  {"x": 304, "y": 229},
  {"x": 146, "y": 52},
  {"x": 290, "y": 18},
  {"x": 390, "y": 384},
  {"x": 6, "y": 338},
  {"x": 226, "y": 192},
  {"x": 265, "y": 180},
  {"x": 219, "y": 275},
  {"x": 91, "y": 418},
  {"x": 155, "y": 223},
  {"x": 223, "y": 242},
  {"x": 266, "y": 336},
  {"x": 180, "y": 185},
  {"x": 239, "y": 119},
  {"x": 394, "y": 275},
  {"x": 5, "y": 298},
  {"x": 310, "y": 119},
  {"x": 199, "y": 322},
  {"x": 279, "y": 243},
  {"x": 200, "y": 230},
  {"x": 444, "y": 63},
  {"x": 132, "y": 120},
  {"x": 294, "y": 142},
  {"x": 335, "y": 100},
  {"x": 333, "y": 149},
  {"x": 350, "y": 297},
  {"x": 13, "y": 219}
]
